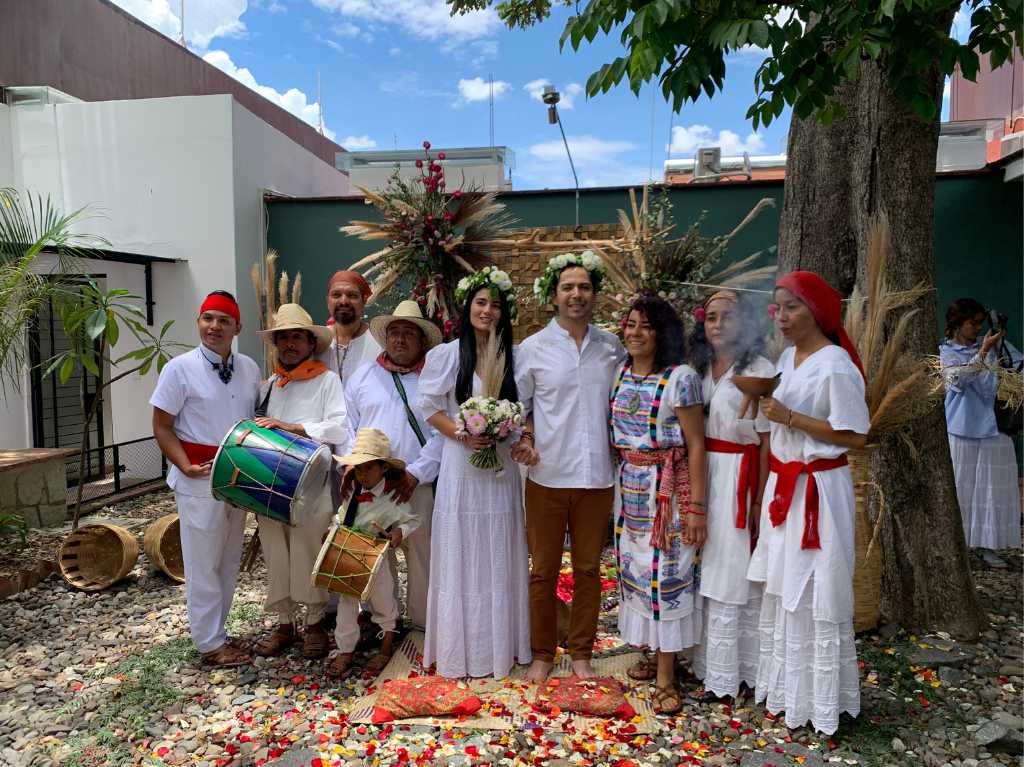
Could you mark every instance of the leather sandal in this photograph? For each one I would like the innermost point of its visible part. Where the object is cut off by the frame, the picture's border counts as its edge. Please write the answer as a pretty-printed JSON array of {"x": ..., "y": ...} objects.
[
  {"x": 667, "y": 700},
  {"x": 339, "y": 666},
  {"x": 644, "y": 670},
  {"x": 226, "y": 656},
  {"x": 314, "y": 642},
  {"x": 278, "y": 640},
  {"x": 377, "y": 663}
]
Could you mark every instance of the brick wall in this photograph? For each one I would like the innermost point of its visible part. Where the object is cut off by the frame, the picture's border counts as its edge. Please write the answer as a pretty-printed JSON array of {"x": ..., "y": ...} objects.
[{"x": 524, "y": 265}]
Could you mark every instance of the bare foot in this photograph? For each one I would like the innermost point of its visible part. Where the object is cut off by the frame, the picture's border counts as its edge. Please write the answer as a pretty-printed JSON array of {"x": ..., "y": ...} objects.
[
  {"x": 583, "y": 669},
  {"x": 538, "y": 671}
]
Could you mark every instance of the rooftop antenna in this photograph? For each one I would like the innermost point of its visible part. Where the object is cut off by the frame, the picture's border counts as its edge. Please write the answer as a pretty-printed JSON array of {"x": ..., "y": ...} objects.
[
  {"x": 319, "y": 103},
  {"x": 490, "y": 81},
  {"x": 181, "y": 17}
]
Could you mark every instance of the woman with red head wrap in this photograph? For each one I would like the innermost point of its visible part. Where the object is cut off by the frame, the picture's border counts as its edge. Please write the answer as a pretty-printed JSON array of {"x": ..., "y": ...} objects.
[{"x": 804, "y": 554}]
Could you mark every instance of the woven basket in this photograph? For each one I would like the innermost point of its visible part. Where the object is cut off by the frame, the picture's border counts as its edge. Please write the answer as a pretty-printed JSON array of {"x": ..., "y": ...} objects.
[
  {"x": 95, "y": 556},
  {"x": 867, "y": 570},
  {"x": 162, "y": 544}
]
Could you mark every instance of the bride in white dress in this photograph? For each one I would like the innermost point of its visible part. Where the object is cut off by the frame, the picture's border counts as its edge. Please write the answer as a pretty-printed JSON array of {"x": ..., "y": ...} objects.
[{"x": 478, "y": 603}]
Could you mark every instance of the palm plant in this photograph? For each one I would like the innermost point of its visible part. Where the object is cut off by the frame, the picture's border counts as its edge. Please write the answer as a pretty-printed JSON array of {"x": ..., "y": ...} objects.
[{"x": 31, "y": 225}]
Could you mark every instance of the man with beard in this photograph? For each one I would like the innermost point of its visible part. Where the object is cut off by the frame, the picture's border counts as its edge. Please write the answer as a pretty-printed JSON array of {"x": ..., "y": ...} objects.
[
  {"x": 199, "y": 397},
  {"x": 352, "y": 345},
  {"x": 378, "y": 397},
  {"x": 303, "y": 397}
]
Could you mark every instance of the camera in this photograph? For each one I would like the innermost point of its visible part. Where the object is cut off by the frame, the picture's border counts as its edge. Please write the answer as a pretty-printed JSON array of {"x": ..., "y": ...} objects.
[{"x": 997, "y": 320}]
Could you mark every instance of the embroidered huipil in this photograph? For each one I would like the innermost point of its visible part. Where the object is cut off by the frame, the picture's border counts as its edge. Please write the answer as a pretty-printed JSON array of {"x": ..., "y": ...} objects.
[
  {"x": 657, "y": 585},
  {"x": 567, "y": 391}
]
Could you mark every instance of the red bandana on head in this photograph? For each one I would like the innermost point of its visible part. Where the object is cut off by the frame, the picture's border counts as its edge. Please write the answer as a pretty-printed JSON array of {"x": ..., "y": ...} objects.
[
  {"x": 824, "y": 302},
  {"x": 353, "y": 277},
  {"x": 219, "y": 303}
]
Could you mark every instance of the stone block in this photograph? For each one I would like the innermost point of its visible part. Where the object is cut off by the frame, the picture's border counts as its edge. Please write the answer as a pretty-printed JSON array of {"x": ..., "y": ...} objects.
[
  {"x": 52, "y": 514},
  {"x": 29, "y": 513},
  {"x": 56, "y": 482},
  {"x": 31, "y": 482}
]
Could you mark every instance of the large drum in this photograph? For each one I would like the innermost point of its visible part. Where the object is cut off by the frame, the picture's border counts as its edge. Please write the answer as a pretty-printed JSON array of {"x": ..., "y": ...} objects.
[
  {"x": 268, "y": 471},
  {"x": 349, "y": 561}
]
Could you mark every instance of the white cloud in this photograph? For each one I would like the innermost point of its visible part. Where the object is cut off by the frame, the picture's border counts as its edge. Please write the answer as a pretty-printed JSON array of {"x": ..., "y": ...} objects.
[
  {"x": 331, "y": 43},
  {"x": 409, "y": 83},
  {"x": 687, "y": 139},
  {"x": 568, "y": 93},
  {"x": 345, "y": 29},
  {"x": 424, "y": 19},
  {"x": 599, "y": 162},
  {"x": 276, "y": 7},
  {"x": 204, "y": 21},
  {"x": 292, "y": 100},
  {"x": 478, "y": 89},
  {"x": 357, "y": 143},
  {"x": 396, "y": 51}
]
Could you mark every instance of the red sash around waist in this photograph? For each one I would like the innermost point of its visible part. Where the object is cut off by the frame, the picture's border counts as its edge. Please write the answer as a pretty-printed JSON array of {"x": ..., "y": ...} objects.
[
  {"x": 750, "y": 472},
  {"x": 675, "y": 478},
  {"x": 199, "y": 454},
  {"x": 785, "y": 486}
]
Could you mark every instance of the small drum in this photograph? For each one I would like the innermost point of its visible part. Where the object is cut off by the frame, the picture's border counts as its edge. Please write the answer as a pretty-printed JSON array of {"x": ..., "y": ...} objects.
[
  {"x": 268, "y": 471},
  {"x": 349, "y": 562}
]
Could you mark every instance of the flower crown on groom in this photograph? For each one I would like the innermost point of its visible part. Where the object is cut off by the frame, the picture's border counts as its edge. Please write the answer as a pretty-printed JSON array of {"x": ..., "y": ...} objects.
[
  {"x": 499, "y": 283},
  {"x": 544, "y": 286}
]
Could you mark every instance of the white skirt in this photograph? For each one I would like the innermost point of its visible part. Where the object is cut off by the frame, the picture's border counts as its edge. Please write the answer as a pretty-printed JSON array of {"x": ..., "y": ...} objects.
[
  {"x": 807, "y": 668},
  {"x": 729, "y": 650},
  {"x": 988, "y": 490},
  {"x": 664, "y": 635}
]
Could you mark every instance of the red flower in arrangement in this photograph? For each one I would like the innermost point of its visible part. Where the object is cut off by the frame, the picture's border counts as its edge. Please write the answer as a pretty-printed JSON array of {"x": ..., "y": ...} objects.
[
  {"x": 773, "y": 310},
  {"x": 700, "y": 314},
  {"x": 457, "y": 194},
  {"x": 419, "y": 163},
  {"x": 448, "y": 215},
  {"x": 426, "y": 145},
  {"x": 440, "y": 155}
]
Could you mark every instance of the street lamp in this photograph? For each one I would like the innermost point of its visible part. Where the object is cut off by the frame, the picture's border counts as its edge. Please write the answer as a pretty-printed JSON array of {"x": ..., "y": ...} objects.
[{"x": 551, "y": 98}]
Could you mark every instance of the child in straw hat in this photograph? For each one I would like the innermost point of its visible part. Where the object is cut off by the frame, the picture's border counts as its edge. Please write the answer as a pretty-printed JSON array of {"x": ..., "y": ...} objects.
[{"x": 372, "y": 509}]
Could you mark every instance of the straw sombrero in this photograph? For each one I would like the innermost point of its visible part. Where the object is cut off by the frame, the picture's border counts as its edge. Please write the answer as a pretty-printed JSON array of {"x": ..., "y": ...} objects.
[
  {"x": 409, "y": 311},
  {"x": 371, "y": 445},
  {"x": 294, "y": 317}
]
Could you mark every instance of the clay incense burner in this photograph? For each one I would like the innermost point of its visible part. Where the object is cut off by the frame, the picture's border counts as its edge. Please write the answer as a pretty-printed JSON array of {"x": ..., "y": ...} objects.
[{"x": 753, "y": 389}]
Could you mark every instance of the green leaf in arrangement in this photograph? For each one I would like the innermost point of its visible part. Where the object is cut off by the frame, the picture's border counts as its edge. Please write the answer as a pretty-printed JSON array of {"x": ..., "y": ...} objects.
[{"x": 96, "y": 324}]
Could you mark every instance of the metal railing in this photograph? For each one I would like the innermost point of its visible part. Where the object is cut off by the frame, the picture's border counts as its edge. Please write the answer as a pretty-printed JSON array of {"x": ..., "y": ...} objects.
[{"x": 112, "y": 469}]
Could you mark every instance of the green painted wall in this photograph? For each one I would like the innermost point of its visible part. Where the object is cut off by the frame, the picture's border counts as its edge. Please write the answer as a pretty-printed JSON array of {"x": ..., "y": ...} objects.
[{"x": 978, "y": 236}]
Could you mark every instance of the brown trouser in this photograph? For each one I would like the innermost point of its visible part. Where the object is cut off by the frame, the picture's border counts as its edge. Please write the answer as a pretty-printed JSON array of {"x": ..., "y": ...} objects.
[{"x": 550, "y": 511}]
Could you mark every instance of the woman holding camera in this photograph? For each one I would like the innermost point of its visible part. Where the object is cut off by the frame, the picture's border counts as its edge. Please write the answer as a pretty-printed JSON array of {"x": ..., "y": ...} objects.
[{"x": 984, "y": 462}]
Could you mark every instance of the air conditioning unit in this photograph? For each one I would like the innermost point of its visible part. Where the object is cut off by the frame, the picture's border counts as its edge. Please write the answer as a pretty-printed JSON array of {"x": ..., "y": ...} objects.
[{"x": 708, "y": 164}]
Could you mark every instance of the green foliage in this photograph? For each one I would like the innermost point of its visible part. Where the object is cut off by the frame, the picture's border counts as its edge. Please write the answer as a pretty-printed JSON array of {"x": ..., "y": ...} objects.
[
  {"x": 810, "y": 47},
  {"x": 12, "y": 524},
  {"x": 30, "y": 226}
]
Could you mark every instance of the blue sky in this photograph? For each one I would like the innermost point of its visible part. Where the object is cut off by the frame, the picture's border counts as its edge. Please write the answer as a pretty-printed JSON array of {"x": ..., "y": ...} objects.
[{"x": 396, "y": 72}]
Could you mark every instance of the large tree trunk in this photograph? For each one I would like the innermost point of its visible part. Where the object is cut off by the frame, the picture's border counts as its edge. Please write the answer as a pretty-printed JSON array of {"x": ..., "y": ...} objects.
[{"x": 879, "y": 156}]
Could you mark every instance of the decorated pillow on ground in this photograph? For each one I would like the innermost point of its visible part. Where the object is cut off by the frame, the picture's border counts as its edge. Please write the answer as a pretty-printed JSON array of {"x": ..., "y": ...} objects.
[
  {"x": 423, "y": 696},
  {"x": 601, "y": 696}
]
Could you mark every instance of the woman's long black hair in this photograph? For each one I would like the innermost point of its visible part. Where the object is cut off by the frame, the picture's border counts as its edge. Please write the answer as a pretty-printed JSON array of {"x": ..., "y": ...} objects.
[
  {"x": 467, "y": 351},
  {"x": 669, "y": 336},
  {"x": 749, "y": 342}
]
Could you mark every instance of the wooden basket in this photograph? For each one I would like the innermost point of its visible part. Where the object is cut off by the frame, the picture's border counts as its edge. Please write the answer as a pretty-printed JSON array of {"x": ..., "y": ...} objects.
[
  {"x": 95, "y": 556},
  {"x": 867, "y": 570},
  {"x": 162, "y": 544}
]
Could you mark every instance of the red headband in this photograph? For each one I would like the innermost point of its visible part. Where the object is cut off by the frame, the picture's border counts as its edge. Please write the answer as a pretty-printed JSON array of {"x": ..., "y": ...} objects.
[
  {"x": 824, "y": 302},
  {"x": 348, "y": 275},
  {"x": 219, "y": 303}
]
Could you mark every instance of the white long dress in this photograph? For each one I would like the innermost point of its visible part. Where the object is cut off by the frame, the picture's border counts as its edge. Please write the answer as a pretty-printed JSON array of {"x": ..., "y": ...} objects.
[
  {"x": 478, "y": 617},
  {"x": 728, "y": 653},
  {"x": 808, "y": 659},
  {"x": 659, "y": 607}
]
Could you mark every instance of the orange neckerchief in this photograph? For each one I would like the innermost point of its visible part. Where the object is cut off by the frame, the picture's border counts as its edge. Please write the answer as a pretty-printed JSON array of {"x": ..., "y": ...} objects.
[{"x": 304, "y": 371}]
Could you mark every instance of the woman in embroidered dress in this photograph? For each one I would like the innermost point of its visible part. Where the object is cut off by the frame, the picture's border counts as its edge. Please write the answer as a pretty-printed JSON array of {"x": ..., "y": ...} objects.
[
  {"x": 804, "y": 554},
  {"x": 477, "y": 603},
  {"x": 983, "y": 459},
  {"x": 727, "y": 341},
  {"x": 658, "y": 430}
]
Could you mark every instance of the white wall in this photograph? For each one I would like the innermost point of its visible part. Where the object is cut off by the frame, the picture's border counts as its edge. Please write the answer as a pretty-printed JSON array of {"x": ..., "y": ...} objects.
[
  {"x": 6, "y": 158},
  {"x": 487, "y": 176},
  {"x": 267, "y": 160}
]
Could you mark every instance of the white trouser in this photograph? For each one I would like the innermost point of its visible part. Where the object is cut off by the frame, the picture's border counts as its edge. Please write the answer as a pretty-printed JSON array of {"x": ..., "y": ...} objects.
[
  {"x": 211, "y": 547},
  {"x": 290, "y": 553},
  {"x": 417, "y": 558},
  {"x": 383, "y": 606}
]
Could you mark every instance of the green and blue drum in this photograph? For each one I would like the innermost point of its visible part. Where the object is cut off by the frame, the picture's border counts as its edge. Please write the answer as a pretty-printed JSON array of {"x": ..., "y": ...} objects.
[{"x": 269, "y": 472}]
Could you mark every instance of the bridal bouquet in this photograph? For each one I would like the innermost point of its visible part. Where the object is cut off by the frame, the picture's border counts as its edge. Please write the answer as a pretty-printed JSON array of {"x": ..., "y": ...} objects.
[{"x": 488, "y": 417}]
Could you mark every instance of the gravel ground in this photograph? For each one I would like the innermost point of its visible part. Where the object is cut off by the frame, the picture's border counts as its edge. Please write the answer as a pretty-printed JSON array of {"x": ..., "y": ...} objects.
[{"x": 111, "y": 679}]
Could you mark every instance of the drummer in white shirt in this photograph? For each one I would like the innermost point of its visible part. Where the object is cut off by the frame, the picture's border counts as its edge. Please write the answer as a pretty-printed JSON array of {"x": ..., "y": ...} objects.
[
  {"x": 305, "y": 398},
  {"x": 199, "y": 397}
]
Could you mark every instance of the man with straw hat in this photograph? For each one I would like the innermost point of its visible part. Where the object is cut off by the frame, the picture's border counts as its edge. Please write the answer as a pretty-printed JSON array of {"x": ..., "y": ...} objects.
[
  {"x": 379, "y": 396},
  {"x": 305, "y": 398},
  {"x": 372, "y": 509},
  {"x": 199, "y": 396}
]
